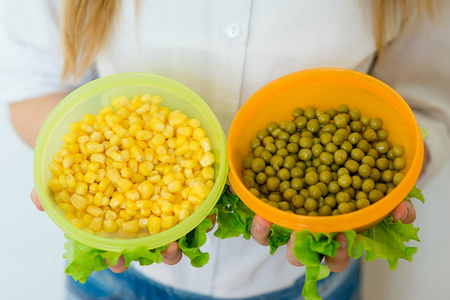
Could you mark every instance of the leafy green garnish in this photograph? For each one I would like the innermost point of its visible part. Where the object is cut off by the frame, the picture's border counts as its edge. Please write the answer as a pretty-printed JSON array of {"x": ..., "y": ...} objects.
[
  {"x": 415, "y": 193},
  {"x": 83, "y": 260},
  {"x": 385, "y": 240},
  {"x": 424, "y": 132}
]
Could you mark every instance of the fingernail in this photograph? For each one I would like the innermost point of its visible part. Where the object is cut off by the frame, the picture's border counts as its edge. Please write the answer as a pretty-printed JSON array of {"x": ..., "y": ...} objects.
[{"x": 407, "y": 213}]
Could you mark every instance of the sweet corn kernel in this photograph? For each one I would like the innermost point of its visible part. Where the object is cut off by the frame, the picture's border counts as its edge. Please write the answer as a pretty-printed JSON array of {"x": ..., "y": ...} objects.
[
  {"x": 137, "y": 178},
  {"x": 132, "y": 195},
  {"x": 130, "y": 226},
  {"x": 98, "y": 157},
  {"x": 109, "y": 225},
  {"x": 166, "y": 207},
  {"x": 93, "y": 167},
  {"x": 78, "y": 201},
  {"x": 154, "y": 225},
  {"x": 119, "y": 102},
  {"x": 189, "y": 164},
  {"x": 95, "y": 211},
  {"x": 78, "y": 223},
  {"x": 96, "y": 224},
  {"x": 198, "y": 134},
  {"x": 124, "y": 184},
  {"x": 119, "y": 165},
  {"x": 94, "y": 147},
  {"x": 175, "y": 186},
  {"x": 55, "y": 168},
  {"x": 201, "y": 189},
  {"x": 126, "y": 172},
  {"x": 184, "y": 213},
  {"x": 186, "y": 131},
  {"x": 90, "y": 177},
  {"x": 167, "y": 222},
  {"x": 137, "y": 153},
  {"x": 81, "y": 188},
  {"x": 143, "y": 135},
  {"x": 207, "y": 159}
]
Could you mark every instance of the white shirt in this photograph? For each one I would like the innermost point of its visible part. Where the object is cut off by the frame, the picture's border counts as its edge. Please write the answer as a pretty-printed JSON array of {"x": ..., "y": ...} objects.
[{"x": 225, "y": 51}]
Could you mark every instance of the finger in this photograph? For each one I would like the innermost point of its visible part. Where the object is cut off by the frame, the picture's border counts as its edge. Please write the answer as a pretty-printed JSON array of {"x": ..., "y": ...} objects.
[
  {"x": 231, "y": 190},
  {"x": 290, "y": 257},
  {"x": 172, "y": 255},
  {"x": 35, "y": 200},
  {"x": 261, "y": 230},
  {"x": 340, "y": 262},
  {"x": 119, "y": 267},
  {"x": 213, "y": 222},
  {"x": 404, "y": 212}
]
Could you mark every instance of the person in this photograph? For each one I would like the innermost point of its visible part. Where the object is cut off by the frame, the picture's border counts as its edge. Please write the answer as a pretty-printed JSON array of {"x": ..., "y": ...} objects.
[{"x": 225, "y": 51}]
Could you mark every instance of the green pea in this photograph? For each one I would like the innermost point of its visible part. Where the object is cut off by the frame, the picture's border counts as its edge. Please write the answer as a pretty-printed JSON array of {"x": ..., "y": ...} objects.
[
  {"x": 325, "y": 210},
  {"x": 270, "y": 171},
  {"x": 356, "y": 126},
  {"x": 292, "y": 148},
  {"x": 365, "y": 120},
  {"x": 296, "y": 172},
  {"x": 346, "y": 146},
  {"x": 326, "y": 158},
  {"x": 381, "y": 186},
  {"x": 301, "y": 211},
  {"x": 313, "y": 125},
  {"x": 324, "y": 118},
  {"x": 271, "y": 127},
  {"x": 357, "y": 154},
  {"x": 360, "y": 195},
  {"x": 289, "y": 194},
  {"x": 301, "y": 122},
  {"x": 284, "y": 185},
  {"x": 258, "y": 151},
  {"x": 310, "y": 112},
  {"x": 331, "y": 148},
  {"x": 352, "y": 165},
  {"x": 295, "y": 138},
  {"x": 255, "y": 192},
  {"x": 306, "y": 142},
  {"x": 273, "y": 204},
  {"x": 323, "y": 187},
  {"x": 255, "y": 143},
  {"x": 289, "y": 162},
  {"x": 334, "y": 167},
  {"x": 372, "y": 152},
  {"x": 375, "y": 195},
  {"x": 311, "y": 178},
  {"x": 297, "y": 184},
  {"x": 265, "y": 200},
  {"x": 345, "y": 180},
  {"x": 331, "y": 112},
  {"x": 398, "y": 150},
  {"x": 297, "y": 112},
  {"x": 342, "y": 197},
  {"x": 382, "y": 147},
  {"x": 276, "y": 162},
  {"x": 310, "y": 169},
  {"x": 356, "y": 182},
  {"x": 313, "y": 213},
  {"x": 283, "y": 135},
  {"x": 363, "y": 145},
  {"x": 261, "y": 178},
  {"x": 340, "y": 121},
  {"x": 362, "y": 203},
  {"x": 326, "y": 138},
  {"x": 376, "y": 175},
  {"x": 340, "y": 157},
  {"x": 315, "y": 192},
  {"x": 264, "y": 190},
  {"x": 344, "y": 208},
  {"x": 398, "y": 177},
  {"x": 387, "y": 176},
  {"x": 258, "y": 165},
  {"x": 382, "y": 164},
  {"x": 284, "y": 205},
  {"x": 298, "y": 201},
  {"x": 261, "y": 134},
  {"x": 310, "y": 204},
  {"x": 248, "y": 182},
  {"x": 266, "y": 156},
  {"x": 368, "y": 160},
  {"x": 376, "y": 123},
  {"x": 354, "y": 114},
  {"x": 364, "y": 171},
  {"x": 370, "y": 135},
  {"x": 284, "y": 174},
  {"x": 247, "y": 162},
  {"x": 330, "y": 201},
  {"x": 382, "y": 134},
  {"x": 275, "y": 197},
  {"x": 305, "y": 154},
  {"x": 330, "y": 128},
  {"x": 334, "y": 187},
  {"x": 354, "y": 138},
  {"x": 368, "y": 185},
  {"x": 250, "y": 173},
  {"x": 290, "y": 127},
  {"x": 273, "y": 183},
  {"x": 399, "y": 163},
  {"x": 282, "y": 124},
  {"x": 326, "y": 177},
  {"x": 282, "y": 152},
  {"x": 304, "y": 192},
  {"x": 343, "y": 171}
]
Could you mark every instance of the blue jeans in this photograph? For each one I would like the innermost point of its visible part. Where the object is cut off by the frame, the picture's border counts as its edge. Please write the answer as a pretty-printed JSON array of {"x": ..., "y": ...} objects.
[{"x": 131, "y": 285}]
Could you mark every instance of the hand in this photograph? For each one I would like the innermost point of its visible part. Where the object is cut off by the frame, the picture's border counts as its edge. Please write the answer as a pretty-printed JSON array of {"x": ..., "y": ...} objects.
[
  {"x": 171, "y": 256},
  {"x": 260, "y": 230}
]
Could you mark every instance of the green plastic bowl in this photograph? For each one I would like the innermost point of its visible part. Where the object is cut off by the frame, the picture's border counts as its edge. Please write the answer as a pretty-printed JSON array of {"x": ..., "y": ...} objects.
[{"x": 92, "y": 97}]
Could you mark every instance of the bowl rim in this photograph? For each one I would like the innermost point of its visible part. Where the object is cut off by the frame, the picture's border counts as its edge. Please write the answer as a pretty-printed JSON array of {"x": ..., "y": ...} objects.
[
  {"x": 81, "y": 94},
  {"x": 357, "y": 220}
]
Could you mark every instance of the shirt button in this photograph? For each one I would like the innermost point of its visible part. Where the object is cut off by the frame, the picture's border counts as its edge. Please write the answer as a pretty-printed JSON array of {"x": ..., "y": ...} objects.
[{"x": 233, "y": 30}]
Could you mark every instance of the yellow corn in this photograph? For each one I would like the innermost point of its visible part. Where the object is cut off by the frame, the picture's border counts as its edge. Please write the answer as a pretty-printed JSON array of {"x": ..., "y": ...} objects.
[
  {"x": 124, "y": 184},
  {"x": 154, "y": 225},
  {"x": 119, "y": 102},
  {"x": 109, "y": 225},
  {"x": 96, "y": 224},
  {"x": 78, "y": 223},
  {"x": 198, "y": 134},
  {"x": 95, "y": 211},
  {"x": 130, "y": 226},
  {"x": 81, "y": 188},
  {"x": 201, "y": 189},
  {"x": 78, "y": 201},
  {"x": 132, "y": 195},
  {"x": 126, "y": 172},
  {"x": 167, "y": 222},
  {"x": 207, "y": 160},
  {"x": 144, "y": 135},
  {"x": 55, "y": 168},
  {"x": 117, "y": 200},
  {"x": 113, "y": 175},
  {"x": 94, "y": 147},
  {"x": 90, "y": 177},
  {"x": 98, "y": 157}
]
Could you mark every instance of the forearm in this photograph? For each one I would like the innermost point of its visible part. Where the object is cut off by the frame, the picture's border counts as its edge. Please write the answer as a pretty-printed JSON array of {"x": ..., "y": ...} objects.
[{"x": 28, "y": 116}]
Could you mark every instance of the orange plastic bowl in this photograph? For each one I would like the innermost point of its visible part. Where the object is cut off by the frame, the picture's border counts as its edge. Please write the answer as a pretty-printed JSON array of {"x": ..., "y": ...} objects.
[{"x": 325, "y": 88}]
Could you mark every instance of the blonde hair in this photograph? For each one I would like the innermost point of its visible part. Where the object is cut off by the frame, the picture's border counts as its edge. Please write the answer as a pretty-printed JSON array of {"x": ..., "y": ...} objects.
[{"x": 86, "y": 25}]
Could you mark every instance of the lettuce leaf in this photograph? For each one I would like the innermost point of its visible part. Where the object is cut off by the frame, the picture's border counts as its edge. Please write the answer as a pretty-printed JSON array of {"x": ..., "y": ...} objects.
[
  {"x": 415, "y": 193},
  {"x": 82, "y": 260},
  {"x": 385, "y": 240},
  {"x": 424, "y": 132}
]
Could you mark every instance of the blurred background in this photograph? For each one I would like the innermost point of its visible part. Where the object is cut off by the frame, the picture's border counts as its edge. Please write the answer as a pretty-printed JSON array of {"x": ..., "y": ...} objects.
[{"x": 31, "y": 247}]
